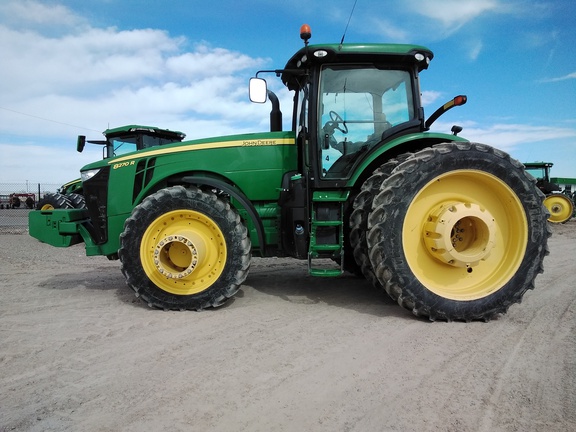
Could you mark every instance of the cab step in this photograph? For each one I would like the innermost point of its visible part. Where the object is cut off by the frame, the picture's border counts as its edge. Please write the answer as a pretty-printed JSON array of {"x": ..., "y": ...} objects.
[{"x": 326, "y": 250}]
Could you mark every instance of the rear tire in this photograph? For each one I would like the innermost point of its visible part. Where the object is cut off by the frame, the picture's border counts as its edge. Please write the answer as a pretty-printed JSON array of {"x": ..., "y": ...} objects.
[
  {"x": 359, "y": 219},
  {"x": 458, "y": 232},
  {"x": 183, "y": 248}
]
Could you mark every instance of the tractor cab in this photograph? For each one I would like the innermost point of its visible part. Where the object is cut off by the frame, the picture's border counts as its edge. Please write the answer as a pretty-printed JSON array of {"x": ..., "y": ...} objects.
[
  {"x": 131, "y": 138},
  {"x": 351, "y": 102},
  {"x": 541, "y": 172}
]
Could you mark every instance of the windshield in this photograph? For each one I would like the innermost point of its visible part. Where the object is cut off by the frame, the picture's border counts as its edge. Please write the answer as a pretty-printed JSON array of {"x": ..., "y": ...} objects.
[
  {"x": 538, "y": 173},
  {"x": 123, "y": 145},
  {"x": 126, "y": 144},
  {"x": 358, "y": 104}
]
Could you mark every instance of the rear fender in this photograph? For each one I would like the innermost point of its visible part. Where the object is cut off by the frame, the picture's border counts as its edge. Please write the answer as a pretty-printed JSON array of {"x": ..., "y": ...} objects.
[{"x": 405, "y": 144}]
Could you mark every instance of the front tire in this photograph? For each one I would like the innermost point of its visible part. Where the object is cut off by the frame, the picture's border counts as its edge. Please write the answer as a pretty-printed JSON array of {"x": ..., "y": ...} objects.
[
  {"x": 458, "y": 232},
  {"x": 78, "y": 201},
  {"x": 52, "y": 201},
  {"x": 183, "y": 248}
]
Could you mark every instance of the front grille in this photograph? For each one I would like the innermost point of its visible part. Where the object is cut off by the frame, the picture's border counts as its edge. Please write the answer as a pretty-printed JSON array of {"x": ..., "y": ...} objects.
[{"x": 96, "y": 194}]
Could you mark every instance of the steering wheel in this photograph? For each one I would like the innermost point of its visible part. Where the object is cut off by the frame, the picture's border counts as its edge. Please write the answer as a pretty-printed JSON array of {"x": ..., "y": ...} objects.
[{"x": 339, "y": 121}]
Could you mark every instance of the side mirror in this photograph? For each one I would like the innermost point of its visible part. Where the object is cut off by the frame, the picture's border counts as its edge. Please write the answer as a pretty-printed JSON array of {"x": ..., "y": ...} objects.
[
  {"x": 80, "y": 143},
  {"x": 258, "y": 90}
]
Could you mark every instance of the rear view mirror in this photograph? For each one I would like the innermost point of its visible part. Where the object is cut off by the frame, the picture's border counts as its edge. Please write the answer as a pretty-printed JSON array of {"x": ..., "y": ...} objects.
[
  {"x": 80, "y": 143},
  {"x": 258, "y": 90}
]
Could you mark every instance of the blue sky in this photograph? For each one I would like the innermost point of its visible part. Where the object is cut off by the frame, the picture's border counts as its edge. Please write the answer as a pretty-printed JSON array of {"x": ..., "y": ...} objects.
[{"x": 71, "y": 67}]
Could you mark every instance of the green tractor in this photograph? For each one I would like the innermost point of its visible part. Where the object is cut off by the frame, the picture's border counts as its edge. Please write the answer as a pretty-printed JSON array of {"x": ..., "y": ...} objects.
[
  {"x": 119, "y": 141},
  {"x": 450, "y": 229},
  {"x": 560, "y": 203}
]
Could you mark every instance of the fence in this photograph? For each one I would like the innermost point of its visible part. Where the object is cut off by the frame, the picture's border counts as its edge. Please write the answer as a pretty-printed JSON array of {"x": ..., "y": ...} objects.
[{"x": 16, "y": 200}]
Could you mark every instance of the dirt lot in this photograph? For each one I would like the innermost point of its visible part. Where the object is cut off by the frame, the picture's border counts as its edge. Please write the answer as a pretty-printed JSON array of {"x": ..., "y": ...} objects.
[{"x": 78, "y": 352}]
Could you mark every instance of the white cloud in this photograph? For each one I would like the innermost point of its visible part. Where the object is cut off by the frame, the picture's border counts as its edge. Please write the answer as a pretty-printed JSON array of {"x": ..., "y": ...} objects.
[
  {"x": 430, "y": 97},
  {"x": 205, "y": 61},
  {"x": 59, "y": 84},
  {"x": 40, "y": 164},
  {"x": 29, "y": 13},
  {"x": 474, "y": 49},
  {"x": 508, "y": 136},
  {"x": 453, "y": 14},
  {"x": 387, "y": 29},
  {"x": 561, "y": 78}
]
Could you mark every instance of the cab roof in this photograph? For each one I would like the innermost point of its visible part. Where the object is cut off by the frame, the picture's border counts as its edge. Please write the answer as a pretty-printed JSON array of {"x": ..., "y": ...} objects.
[
  {"x": 403, "y": 54},
  {"x": 122, "y": 130}
]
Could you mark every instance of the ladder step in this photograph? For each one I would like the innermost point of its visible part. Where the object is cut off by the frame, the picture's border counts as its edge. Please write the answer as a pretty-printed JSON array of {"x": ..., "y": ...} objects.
[
  {"x": 325, "y": 272},
  {"x": 327, "y": 223},
  {"x": 325, "y": 247},
  {"x": 327, "y": 234}
]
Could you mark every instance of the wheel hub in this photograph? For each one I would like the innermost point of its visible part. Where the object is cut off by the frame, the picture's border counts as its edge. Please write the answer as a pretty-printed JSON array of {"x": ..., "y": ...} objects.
[
  {"x": 556, "y": 208},
  {"x": 176, "y": 256},
  {"x": 460, "y": 234}
]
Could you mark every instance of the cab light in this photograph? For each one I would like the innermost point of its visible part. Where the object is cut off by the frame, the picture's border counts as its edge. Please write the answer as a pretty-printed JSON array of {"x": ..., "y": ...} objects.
[
  {"x": 320, "y": 53},
  {"x": 460, "y": 100},
  {"x": 305, "y": 32}
]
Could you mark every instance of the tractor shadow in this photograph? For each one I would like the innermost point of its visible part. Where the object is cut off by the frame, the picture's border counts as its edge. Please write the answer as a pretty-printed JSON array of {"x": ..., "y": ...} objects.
[
  {"x": 102, "y": 278},
  {"x": 288, "y": 280},
  {"x": 284, "y": 279}
]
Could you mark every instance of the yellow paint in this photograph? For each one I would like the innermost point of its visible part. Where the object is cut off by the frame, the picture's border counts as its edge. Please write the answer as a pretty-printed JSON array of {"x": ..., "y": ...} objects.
[
  {"x": 183, "y": 252},
  {"x": 465, "y": 235},
  {"x": 560, "y": 208},
  {"x": 213, "y": 145}
]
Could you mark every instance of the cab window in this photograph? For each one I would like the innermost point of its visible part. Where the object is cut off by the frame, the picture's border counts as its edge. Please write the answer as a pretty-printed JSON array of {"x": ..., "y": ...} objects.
[
  {"x": 358, "y": 104},
  {"x": 124, "y": 145}
]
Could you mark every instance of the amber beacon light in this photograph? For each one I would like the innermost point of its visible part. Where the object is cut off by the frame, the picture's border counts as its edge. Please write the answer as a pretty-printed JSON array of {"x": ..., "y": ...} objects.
[{"x": 305, "y": 33}]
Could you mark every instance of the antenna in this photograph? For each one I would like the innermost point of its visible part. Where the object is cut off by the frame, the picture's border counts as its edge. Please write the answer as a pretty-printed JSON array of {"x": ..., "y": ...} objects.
[{"x": 348, "y": 23}]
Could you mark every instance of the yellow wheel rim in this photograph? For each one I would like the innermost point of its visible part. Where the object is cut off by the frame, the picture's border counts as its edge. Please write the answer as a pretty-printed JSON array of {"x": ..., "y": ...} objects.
[
  {"x": 465, "y": 235},
  {"x": 47, "y": 207},
  {"x": 183, "y": 252},
  {"x": 560, "y": 208}
]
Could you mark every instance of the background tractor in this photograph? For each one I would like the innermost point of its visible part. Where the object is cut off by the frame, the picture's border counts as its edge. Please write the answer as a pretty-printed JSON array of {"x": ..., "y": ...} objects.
[
  {"x": 450, "y": 229},
  {"x": 558, "y": 191},
  {"x": 120, "y": 140}
]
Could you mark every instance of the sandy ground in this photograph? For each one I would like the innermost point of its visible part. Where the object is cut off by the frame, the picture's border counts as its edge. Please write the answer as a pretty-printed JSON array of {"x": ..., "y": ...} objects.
[{"x": 78, "y": 352}]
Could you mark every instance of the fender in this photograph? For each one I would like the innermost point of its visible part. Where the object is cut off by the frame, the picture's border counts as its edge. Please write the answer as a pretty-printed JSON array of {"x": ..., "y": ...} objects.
[
  {"x": 238, "y": 196},
  {"x": 407, "y": 143}
]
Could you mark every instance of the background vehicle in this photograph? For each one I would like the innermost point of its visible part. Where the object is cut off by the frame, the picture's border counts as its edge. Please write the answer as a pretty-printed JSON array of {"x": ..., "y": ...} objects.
[
  {"x": 559, "y": 200},
  {"x": 451, "y": 230},
  {"x": 119, "y": 141},
  {"x": 17, "y": 200}
]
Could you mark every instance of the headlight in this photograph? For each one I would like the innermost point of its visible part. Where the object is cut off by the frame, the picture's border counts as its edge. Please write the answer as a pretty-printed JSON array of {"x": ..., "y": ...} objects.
[{"x": 87, "y": 175}]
